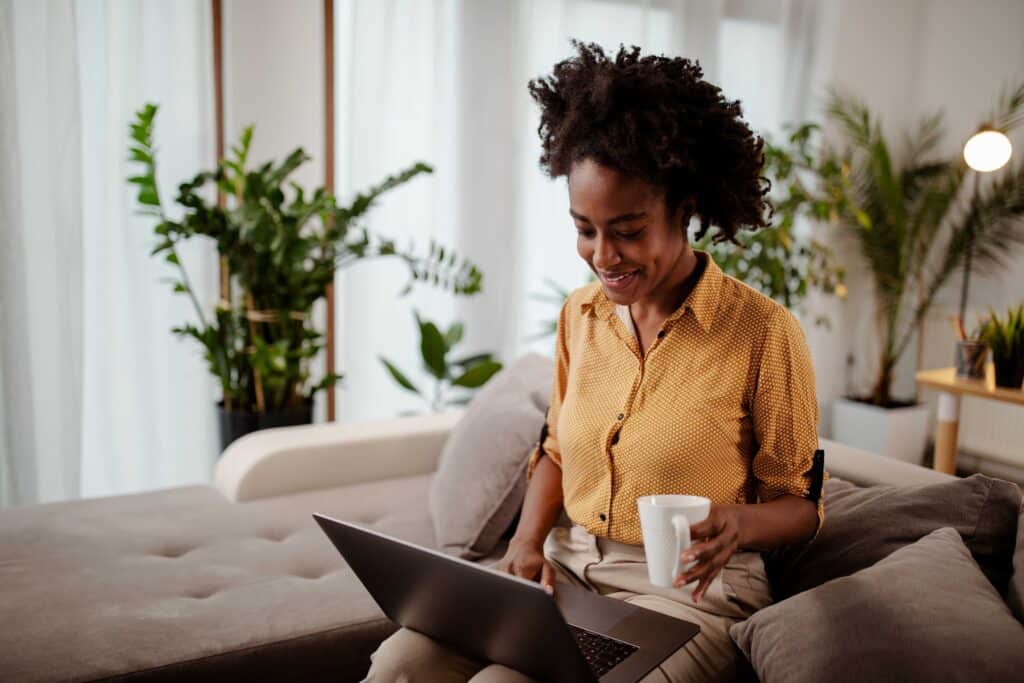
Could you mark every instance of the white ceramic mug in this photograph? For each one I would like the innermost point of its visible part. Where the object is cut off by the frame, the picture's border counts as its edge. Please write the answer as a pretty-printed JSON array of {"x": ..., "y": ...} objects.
[{"x": 665, "y": 522}]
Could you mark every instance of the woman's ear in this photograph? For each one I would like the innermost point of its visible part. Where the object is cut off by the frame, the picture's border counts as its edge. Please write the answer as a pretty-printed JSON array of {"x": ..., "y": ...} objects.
[{"x": 685, "y": 212}]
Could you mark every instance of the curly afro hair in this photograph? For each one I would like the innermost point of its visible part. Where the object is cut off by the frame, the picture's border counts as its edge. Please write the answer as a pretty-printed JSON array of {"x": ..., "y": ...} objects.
[{"x": 655, "y": 118}]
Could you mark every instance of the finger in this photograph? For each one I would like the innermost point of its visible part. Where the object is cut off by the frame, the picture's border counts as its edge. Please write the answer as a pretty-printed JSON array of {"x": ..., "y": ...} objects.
[
  {"x": 700, "y": 551},
  {"x": 704, "y": 584},
  {"x": 711, "y": 564},
  {"x": 694, "y": 573},
  {"x": 547, "y": 578},
  {"x": 706, "y": 528}
]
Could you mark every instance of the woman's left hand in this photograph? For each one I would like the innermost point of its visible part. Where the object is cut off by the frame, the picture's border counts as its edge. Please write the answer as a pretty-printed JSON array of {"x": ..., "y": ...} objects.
[{"x": 714, "y": 540}]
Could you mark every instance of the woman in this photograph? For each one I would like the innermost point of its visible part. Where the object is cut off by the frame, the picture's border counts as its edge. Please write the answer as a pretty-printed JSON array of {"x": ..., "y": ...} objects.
[{"x": 670, "y": 377}]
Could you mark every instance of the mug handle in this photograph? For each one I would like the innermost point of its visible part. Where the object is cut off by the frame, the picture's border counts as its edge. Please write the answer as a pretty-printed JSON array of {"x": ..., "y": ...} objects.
[{"x": 682, "y": 527}]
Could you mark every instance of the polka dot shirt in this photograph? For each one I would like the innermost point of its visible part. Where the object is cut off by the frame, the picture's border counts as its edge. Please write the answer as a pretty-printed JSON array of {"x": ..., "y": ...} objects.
[{"x": 722, "y": 405}]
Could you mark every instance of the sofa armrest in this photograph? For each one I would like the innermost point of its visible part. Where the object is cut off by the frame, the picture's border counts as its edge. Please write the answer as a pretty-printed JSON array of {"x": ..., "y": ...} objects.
[
  {"x": 867, "y": 469},
  {"x": 275, "y": 462}
]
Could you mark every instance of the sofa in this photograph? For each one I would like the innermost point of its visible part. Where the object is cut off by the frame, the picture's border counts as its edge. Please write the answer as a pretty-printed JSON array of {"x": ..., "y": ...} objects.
[{"x": 235, "y": 581}]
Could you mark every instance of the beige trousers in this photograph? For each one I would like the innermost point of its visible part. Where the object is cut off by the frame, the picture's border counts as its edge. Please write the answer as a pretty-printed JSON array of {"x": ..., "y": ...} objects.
[{"x": 618, "y": 571}]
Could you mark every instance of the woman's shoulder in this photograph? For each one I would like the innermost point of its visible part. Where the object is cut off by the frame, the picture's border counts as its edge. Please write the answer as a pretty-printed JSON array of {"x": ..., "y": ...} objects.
[{"x": 749, "y": 302}]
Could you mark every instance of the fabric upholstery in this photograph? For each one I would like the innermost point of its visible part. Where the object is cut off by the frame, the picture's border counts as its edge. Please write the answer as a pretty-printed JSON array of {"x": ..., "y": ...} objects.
[
  {"x": 181, "y": 582},
  {"x": 481, "y": 476},
  {"x": 1015, "y": 592},
  {"x": 866, "y": 524},
  {"x": 924, "y": 613}
]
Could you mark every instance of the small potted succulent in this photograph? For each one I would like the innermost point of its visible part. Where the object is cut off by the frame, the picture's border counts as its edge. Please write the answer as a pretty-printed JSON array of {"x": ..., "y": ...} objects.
[{"x": 1005, "y": 339}]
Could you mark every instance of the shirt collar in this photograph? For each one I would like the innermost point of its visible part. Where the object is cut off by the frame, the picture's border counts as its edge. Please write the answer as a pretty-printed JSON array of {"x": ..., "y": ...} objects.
[{"x": 702, "y": 301}]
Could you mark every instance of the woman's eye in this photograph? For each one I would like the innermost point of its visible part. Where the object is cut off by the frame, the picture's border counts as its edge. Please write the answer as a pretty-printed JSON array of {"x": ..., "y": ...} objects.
[
  {"x": 585, "y": 232},
  {"x": 632, "y": 235}
]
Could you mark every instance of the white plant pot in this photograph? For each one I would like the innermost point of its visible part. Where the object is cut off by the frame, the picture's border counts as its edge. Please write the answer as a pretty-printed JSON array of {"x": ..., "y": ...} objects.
[{"x": 899, "y": 433}]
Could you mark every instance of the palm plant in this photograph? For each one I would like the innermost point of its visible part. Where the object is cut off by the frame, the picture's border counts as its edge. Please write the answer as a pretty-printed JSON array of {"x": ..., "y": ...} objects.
[{"x": 912, "y": 217}]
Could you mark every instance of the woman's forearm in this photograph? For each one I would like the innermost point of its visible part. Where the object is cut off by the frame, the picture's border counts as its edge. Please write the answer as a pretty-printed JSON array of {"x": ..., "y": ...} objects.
[
  {"x": 786, "y": 520},
  {"x": 541, "y": 505}
]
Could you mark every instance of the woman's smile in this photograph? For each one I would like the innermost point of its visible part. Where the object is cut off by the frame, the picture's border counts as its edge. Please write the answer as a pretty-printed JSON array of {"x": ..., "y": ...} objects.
[{"x": 619, "y": 280}]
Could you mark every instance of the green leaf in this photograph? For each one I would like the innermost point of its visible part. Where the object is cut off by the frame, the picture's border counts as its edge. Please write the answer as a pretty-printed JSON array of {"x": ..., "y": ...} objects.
[
  {"x": 433, "y": 349},
  {"x": 453, "y": 336},
  {"x": 400, "y": 377},
  {"x": 172, "y": 258},
  {"x": 477, "y": 375},
  {"x": 148, "y": 196}
]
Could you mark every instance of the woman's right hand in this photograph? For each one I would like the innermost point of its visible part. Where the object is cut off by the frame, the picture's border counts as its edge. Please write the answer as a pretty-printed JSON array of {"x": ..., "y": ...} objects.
[{"x": 526, "y": 560}]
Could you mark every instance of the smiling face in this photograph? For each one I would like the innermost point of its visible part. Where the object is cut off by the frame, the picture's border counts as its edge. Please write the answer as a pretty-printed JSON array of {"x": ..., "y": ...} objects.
[{"x": 625, "y": 233}]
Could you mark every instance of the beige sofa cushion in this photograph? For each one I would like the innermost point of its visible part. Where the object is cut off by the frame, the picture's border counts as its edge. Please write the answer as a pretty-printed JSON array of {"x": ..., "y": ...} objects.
[
  {"x": 176, "y": 582},
  {"x": 481, "y": 476}
]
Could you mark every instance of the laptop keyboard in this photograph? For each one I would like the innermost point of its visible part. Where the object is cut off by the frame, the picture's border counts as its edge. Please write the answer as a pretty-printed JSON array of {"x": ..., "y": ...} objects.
[{"x": 601, "y": 652}]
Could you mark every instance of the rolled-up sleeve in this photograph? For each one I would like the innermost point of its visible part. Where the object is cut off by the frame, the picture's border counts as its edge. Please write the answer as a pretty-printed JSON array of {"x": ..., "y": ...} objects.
[
  {"x": 784, "y": 412},
  {"x": 547, "y": 442}
]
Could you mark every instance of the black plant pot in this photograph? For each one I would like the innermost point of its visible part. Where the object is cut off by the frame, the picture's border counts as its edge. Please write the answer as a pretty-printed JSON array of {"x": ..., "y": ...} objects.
[
  {"x": 1009, "y": 372},
  {"x": 237, "y": 423}
]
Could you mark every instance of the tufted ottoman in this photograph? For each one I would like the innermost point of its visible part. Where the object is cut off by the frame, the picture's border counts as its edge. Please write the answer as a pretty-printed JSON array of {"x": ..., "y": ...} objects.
[{"x": 182, "y": 583}]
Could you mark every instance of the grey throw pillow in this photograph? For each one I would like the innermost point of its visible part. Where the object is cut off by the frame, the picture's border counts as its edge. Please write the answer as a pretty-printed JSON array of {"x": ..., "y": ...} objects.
[
  {"x": 863, "y": 525},
  {"x": 1015, "y": 593},
  {"x": 481, "y": 476},
  {"x": 924, "y": 613}
]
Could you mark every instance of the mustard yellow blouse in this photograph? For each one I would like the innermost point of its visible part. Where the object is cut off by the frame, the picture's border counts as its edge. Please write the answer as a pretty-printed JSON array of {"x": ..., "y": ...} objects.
[{"x": 722, "y": 405}]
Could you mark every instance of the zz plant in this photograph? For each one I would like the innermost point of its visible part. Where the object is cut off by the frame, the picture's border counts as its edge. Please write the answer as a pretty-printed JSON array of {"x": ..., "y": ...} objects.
[{"x": 281, "y": 246}]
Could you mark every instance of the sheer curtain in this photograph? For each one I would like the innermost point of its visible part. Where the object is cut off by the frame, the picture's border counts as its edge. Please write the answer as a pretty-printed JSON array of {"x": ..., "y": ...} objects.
[
  {"x": 40, "y": 253},
  {"x": 147, "y": 400},
  {"x": 446, "y": 81}
]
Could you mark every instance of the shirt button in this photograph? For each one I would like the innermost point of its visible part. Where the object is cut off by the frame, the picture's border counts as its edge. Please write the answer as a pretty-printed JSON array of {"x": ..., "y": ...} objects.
[
  {"x": 621, "y": 415},
  {"x": 602, "y": 517}
]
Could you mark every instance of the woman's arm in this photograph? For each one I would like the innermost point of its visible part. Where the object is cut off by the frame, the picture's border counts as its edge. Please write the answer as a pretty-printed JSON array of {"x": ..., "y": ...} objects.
[
  {"x": 757, "y": 526},
  {"x": 543, "y": 502},
  {"x": 787, "y": 520}
]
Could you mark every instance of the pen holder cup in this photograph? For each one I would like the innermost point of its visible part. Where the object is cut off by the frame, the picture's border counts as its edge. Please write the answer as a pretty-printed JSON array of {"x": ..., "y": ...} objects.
[{"x": 970, "y": 360}]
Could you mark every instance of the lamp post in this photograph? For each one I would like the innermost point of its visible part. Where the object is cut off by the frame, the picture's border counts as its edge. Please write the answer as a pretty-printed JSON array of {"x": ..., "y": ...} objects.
[{"x": 986, "y": 151}]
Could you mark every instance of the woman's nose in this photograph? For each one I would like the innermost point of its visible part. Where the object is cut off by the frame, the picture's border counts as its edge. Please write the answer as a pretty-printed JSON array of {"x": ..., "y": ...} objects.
[{"x": 605, "y": 254}]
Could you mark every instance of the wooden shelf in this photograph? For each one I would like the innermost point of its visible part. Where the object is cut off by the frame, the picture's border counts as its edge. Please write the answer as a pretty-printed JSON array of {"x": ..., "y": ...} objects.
[{"x": 944, "y": 379}]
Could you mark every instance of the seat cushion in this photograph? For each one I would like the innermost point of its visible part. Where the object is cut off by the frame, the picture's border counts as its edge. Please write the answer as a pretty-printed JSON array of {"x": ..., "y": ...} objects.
[
  {"x": 181, "y": 582},
  {"x": 863, "y": 525},
  {"x": 924, "y": 613}
]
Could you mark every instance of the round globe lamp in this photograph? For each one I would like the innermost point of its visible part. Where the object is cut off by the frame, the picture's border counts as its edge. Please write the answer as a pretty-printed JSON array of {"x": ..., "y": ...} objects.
[{"x": 987, "y": 150}]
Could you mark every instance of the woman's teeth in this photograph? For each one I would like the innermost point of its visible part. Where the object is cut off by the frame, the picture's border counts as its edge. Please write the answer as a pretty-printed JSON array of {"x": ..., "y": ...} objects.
[{"x": 620, "y": 279}]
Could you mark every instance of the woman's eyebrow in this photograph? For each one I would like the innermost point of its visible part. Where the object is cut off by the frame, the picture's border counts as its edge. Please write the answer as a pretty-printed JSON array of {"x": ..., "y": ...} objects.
[{"x": 624, "y": 218}]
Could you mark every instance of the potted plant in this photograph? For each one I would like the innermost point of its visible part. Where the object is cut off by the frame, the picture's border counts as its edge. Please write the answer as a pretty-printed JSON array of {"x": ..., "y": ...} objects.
[
  {"x": 1005, "y": 339},
  {"x": 281, "y": 247},
  {"x": 468, "y": 373},
  {"x": 911, "y": 220}
]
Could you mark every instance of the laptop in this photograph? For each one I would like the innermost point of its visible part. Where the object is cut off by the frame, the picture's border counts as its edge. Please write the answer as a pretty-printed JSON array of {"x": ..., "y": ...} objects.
[{"x": 492, "y": 616}]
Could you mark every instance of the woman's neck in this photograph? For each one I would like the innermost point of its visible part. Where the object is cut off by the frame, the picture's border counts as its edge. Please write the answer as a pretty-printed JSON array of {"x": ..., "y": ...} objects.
[{"x": 671, "y": 292}]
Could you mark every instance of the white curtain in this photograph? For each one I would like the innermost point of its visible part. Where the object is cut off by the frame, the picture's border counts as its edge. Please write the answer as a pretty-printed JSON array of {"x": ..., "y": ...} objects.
[
  {"x": 40, "y": 253},
  {"x": 445, "y": 81},
  {"x": 147, "y": 399}
]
